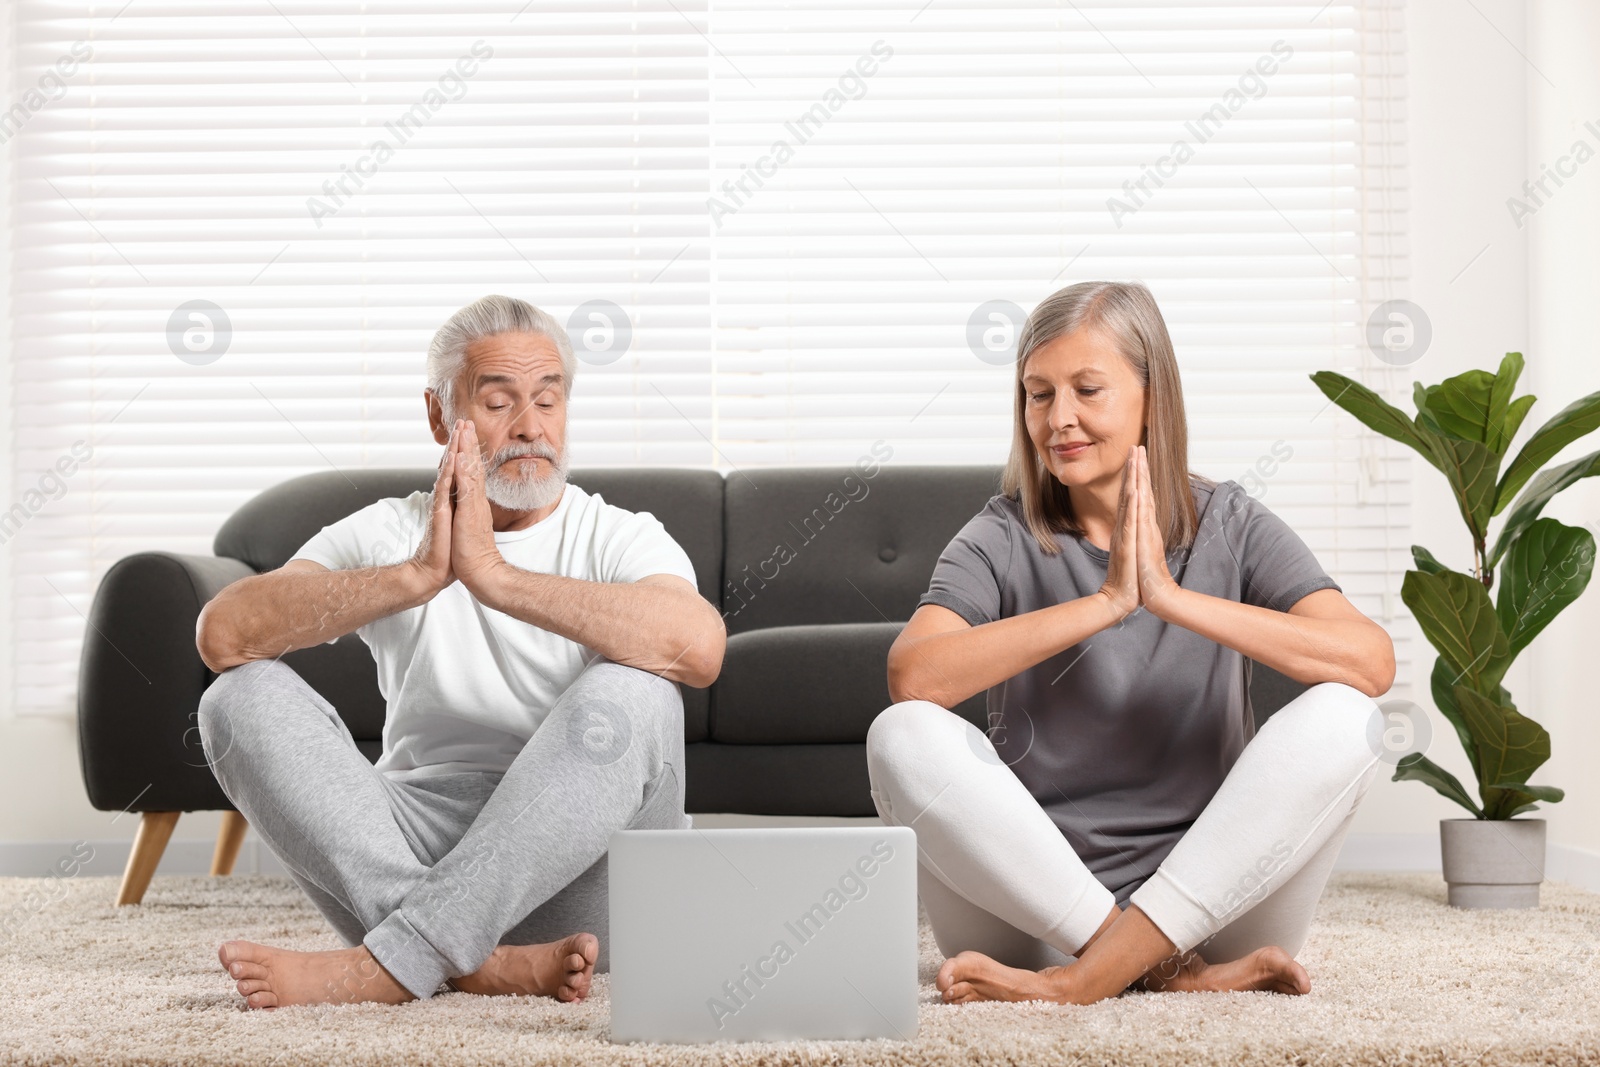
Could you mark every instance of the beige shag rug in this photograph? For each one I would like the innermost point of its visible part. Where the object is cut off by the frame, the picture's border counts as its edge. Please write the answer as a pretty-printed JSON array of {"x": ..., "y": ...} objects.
[{"x": 1397, "y": 977}]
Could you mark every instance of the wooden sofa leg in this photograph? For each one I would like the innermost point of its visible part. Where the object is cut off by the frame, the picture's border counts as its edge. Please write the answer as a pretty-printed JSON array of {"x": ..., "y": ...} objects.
[
  {"x": 149, "y": 842},
  {"x": 230, "y": 836}
]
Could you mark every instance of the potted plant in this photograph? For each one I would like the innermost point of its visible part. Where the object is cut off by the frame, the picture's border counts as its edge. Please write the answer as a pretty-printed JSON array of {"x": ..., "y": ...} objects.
[{"x": 1464, "y": 426}]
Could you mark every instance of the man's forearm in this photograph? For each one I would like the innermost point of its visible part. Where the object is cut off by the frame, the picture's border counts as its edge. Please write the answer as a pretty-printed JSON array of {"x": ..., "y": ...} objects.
[
  {"x": 270, "y": 614},
  {"x": 668, "y": 631}
]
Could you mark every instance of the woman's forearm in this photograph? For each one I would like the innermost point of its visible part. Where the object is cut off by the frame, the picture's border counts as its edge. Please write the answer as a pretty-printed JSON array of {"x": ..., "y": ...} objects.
[
  {"x": 948, "y": 667},
  {"x": 1357, "y": 652}
]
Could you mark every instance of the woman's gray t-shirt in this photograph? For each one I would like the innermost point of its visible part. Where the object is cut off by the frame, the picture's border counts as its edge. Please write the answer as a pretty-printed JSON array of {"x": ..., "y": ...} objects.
[{"x": 1125, "y": 737}]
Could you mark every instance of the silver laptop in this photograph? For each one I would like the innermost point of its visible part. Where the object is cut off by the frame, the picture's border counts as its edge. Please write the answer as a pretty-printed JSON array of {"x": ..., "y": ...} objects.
[{"x": 763, "y": 934}]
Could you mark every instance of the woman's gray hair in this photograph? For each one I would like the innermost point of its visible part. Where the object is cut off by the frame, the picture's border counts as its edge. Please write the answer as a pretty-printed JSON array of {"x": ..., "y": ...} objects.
[
  {"x": 486, "y": 317},
  {"x": 1126, "y": 315}
]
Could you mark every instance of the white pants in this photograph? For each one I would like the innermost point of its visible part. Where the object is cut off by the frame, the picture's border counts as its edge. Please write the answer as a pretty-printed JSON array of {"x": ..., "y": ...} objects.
[{"x": 996, "y": 875}]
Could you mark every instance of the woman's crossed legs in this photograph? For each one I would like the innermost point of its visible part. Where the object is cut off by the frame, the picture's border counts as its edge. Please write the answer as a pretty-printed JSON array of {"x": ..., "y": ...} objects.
[{"x": 1021, "y": 917}]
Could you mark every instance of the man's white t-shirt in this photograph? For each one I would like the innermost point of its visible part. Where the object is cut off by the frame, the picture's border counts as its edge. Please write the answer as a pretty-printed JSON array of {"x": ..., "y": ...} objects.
[{"x": 466, "y": 685}]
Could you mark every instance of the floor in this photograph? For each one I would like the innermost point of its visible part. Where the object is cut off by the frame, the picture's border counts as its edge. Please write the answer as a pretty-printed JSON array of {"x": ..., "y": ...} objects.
[{"x": 1398, "y": 978}]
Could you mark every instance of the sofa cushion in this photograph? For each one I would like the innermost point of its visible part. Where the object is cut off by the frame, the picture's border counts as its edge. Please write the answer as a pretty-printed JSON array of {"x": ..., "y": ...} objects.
[
  {"x": 808, "y": 546},
  {"x": 802, "y": 684},
  {"x": 807, "y": 685}
]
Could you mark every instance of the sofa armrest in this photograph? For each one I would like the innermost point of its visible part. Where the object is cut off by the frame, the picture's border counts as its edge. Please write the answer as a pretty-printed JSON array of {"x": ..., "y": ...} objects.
[{"x": 140, "y": 680}]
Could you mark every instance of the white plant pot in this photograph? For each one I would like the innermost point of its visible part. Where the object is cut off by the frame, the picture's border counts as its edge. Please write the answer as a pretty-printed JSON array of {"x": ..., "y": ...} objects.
[{"x": 1493, "y": 863}]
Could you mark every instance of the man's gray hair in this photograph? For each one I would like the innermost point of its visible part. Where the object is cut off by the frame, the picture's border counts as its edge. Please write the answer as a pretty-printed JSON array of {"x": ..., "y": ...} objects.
[{"x": 485, "y": 317}]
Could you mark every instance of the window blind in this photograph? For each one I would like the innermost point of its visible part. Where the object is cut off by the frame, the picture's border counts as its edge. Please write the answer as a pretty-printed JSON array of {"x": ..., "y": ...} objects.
[{"x": 779, "y": 234}]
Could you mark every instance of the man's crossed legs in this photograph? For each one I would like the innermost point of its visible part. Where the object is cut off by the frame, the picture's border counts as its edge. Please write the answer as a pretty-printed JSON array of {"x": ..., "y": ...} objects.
[{"x": 496, "y": 883}]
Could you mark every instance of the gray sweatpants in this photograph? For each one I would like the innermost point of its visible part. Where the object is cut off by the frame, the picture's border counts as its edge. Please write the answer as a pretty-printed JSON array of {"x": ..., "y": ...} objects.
[{"x": 431, "y": 875}]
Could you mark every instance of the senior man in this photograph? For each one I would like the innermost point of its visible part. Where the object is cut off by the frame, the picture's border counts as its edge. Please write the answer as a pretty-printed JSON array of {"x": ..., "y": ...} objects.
[{"x": 527, "y": 635}]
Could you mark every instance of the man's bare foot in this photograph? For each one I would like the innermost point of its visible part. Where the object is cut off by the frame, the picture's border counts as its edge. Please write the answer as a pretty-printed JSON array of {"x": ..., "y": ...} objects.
[
  {"x": 972, "y": 976},
  {"x": 270, "y": 977},
  {"x": 562, "y": 969}
]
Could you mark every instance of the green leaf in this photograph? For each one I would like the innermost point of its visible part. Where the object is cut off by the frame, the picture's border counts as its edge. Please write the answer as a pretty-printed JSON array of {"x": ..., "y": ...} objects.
[
  {"x": 1442, "y": 683},
  {"x": 1565, "y": 427},
  {"x": 1547, "y": 793},
  {"x": 1416, "y": 767},
  {"x": 1511, "y": 800},
  {"x": 1375, "y": 412},
  {"x": 1514, "y": 416},
  {"x": 1425, "y": 561},
  {"x": 1475, "y": 406},
  {"x": 1458, "y": 620},
  {"x": 1544, "y": 486},
  {"x": 1546, "y": 569},
  {"x": 1510, "y": 745},
  {"x": 1425, "y": 419},
  {"x": 1467, "y": 407},
  {"x": 1470, "y": 468},
  {"x": 1505, "y": 383}
]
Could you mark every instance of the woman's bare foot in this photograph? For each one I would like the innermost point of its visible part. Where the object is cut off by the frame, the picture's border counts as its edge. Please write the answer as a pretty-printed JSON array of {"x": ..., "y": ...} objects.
[
  {"x": 972, "y": 976},
  {"x": 270, "y": 977},
  {"x": 562, "y": 969},
  {"x": 1268, "y": 970}
]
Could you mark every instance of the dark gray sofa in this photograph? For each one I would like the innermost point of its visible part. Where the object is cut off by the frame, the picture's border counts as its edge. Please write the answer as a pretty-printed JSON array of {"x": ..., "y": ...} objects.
[{"x": 814, "y": 569}]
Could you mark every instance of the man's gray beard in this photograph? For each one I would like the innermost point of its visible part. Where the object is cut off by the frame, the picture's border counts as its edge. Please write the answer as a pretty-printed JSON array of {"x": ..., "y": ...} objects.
[{"x": 526, "y": 493}]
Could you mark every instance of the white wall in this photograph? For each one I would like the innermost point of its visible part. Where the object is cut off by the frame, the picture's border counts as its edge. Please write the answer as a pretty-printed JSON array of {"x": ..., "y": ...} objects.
[
  {"x": 1471, "y": 146},
  {"x": 1563, "y": 289},
  {"x": 1483, "y": 117},
  {"x": 1467, "y": 114}
]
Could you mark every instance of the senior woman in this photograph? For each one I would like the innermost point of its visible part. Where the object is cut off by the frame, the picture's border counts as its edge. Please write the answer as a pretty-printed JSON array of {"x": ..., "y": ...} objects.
[{"x": 1130, "y": 826}]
